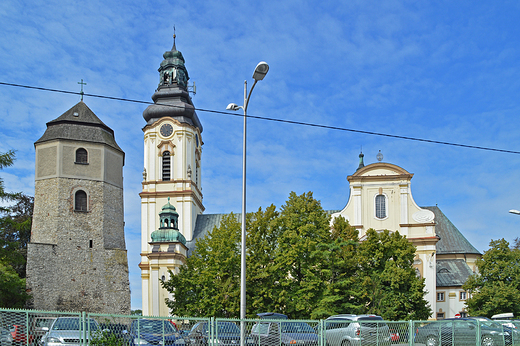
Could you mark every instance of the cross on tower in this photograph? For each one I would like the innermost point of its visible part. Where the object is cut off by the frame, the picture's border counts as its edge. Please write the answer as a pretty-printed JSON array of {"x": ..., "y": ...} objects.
[{"x": 82, "y": 84}]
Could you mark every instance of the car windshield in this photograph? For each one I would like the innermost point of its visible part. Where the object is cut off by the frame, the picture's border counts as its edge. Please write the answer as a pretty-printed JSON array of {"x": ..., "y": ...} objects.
[
  {"x": 154, "y": 326},
  {"x": 72, "y": 324},
  {"x": 296, "y": 327},
  {"x": 227, "y": 327}
]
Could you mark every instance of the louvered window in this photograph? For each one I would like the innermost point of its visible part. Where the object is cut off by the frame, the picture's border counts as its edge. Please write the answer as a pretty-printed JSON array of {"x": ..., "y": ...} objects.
[
  {"x": 380, "y": 206},
  {"x": 80, "y": 201},
  {"x": 81, "y": 156},
  {"x": 166, "y": 166}
]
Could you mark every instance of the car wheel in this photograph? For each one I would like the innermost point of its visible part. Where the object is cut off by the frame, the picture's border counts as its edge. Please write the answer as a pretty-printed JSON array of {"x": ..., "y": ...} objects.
[
  {"x": 432, "y": 341},
  {"x": 345, "y": 343},
  {"x": 487, "y": 341}
]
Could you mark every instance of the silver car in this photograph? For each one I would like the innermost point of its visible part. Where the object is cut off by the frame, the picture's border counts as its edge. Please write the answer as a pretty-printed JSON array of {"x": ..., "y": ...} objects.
[
  {"x": 357, "y": 330},
  {"x": 69, "y": 331}
]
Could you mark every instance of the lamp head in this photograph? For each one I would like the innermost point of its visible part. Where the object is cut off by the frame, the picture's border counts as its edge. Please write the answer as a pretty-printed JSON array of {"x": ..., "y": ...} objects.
[
  {"x": 260, "y": 71},
  {"x": 514, "y": 211},
  {"x": 233, "y": 107}
]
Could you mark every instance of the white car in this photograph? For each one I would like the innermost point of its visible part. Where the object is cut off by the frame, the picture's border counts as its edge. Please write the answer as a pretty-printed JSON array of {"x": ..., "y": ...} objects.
[{"x": 69, "y": 331}]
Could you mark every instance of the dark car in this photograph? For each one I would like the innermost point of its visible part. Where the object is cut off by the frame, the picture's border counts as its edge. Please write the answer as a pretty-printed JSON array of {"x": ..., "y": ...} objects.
[
  {"x": 226, "y": 333},
  {"x": 277, "y": 332},
  {"x": 154, "y": 332},
  {"x": 461, "y": 331}
]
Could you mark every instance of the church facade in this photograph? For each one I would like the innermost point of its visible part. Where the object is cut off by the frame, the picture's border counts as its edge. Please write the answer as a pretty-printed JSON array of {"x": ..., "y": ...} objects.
[
  {"x": 76, "y": 257},
  {"x": 380, "y": 198}
]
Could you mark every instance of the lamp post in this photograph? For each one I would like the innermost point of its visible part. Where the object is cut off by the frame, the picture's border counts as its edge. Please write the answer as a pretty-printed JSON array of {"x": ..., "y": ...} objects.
[
  {"x": 514, "y": 211},
  {"x": 260, "y": 71}
]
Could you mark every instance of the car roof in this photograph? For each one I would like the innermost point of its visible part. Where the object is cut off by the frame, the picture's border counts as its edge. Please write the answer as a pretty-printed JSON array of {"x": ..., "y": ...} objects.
[
  {"x": 272, "y": 315},
  {"x": 350, "y": 317}
]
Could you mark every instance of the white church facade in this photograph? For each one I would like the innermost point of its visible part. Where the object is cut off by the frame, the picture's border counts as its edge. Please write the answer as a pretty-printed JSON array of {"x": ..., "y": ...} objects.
[{"x": 380, "y": 198}]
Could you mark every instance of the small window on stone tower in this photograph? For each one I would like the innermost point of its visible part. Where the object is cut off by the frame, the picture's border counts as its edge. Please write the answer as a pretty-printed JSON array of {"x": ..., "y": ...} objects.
[
  {"x": 166, "y": 165},
  {"x": 380, "y": 206},
  {"x": 81, "y": 156},
  {"x": 80, "y": 201}
]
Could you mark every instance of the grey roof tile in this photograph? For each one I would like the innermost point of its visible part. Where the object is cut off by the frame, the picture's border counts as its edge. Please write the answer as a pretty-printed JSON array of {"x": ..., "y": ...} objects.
[
  {"x": 452, "y": 272},
  {"x": 85, "y": 126},
  {"x": 452, "y": 241}
]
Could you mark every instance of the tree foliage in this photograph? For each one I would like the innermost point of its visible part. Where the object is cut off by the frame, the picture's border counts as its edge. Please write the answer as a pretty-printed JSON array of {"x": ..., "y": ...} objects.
[
  {"x": 297, "y": 264},
  {"x": 495, "y": 288},
  {"x": 15, "y": 232}
]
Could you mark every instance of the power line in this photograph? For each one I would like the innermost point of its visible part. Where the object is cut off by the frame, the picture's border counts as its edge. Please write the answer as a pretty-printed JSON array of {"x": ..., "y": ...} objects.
[{"x": 275, "y": 120}]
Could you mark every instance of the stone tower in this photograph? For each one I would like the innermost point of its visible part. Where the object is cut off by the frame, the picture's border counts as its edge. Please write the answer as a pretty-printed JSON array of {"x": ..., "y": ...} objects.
[
  {"x": 76, "y": 259},
  {"x": 172, "y": 161}
]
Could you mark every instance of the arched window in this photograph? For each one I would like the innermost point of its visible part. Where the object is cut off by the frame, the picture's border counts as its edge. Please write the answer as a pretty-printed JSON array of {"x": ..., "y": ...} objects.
[
  {"x": 80, "y": 201},
  {"x": 196, "y": 174},
  {"x": 81, "y": 156},
  {"x": 380, "y": 206},
  {"x": 166, "y": 166}
]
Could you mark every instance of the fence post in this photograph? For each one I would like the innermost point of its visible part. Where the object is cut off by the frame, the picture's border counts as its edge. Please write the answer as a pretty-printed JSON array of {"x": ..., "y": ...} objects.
[
  {"x": 478, "y": 333},
  {"x": 410, "y": 333}
]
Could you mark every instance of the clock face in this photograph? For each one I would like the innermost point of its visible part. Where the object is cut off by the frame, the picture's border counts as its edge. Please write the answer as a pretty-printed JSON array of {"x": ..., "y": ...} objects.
[{"x": 166, "y": 130}]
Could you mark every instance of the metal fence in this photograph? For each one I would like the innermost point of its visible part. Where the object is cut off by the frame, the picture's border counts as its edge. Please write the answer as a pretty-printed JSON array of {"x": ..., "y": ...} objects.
[{"x": 44, "y": 328}]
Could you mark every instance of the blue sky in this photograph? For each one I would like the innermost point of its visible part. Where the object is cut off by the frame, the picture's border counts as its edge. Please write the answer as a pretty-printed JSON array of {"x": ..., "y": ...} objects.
[{"x": 441, "y": 70}]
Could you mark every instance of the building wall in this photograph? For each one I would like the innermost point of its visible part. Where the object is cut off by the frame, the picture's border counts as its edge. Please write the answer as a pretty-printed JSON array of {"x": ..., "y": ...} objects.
[
  {"x": 77, "y": 260},
  {"x": 403, "y": 215},
  {"x": 184, "y": 191}
]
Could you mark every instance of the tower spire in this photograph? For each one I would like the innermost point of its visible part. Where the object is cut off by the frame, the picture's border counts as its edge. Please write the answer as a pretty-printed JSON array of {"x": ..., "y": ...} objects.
[
  {"x": 174, "y": 36},
  {"x": 361, "y": 163}
]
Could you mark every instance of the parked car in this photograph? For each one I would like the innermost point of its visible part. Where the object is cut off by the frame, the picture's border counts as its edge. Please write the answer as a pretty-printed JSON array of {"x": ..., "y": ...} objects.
[
  {"x": 357, "y": 330},
  {"x": 68, "y": 330},
  {"x": 38, "y": 324},
  {"x": 227, "y": 333},
  {"x": 154, "y": 332},
  {"x": 461, "y": 331},
  {"x": 274, "y": 333}
]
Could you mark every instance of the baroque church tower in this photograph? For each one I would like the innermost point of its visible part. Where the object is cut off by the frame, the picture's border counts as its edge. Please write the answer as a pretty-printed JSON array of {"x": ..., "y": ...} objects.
[
  {"x": 76, "y": 258},
  {"x": 171, "y": 178}
]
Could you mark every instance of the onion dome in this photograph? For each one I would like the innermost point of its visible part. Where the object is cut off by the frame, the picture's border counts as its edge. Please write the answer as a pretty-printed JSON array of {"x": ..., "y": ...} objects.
[
  {"x": 171, "y": 99},
  {"x": 168, "y": 231}
]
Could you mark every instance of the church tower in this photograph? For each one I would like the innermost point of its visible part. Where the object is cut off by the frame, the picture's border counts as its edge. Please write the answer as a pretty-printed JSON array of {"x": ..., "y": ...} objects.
[
  {"x": 172, "y": 159},
  {"x": 76, "y": 259}
]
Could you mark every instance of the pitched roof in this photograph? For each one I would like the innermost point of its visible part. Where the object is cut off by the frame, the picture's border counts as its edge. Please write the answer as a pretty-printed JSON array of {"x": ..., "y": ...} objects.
[
  {"x": 452, "y": 241},
  {"x": 79, "y": 124},
  {"x": 452, "y": 272}
]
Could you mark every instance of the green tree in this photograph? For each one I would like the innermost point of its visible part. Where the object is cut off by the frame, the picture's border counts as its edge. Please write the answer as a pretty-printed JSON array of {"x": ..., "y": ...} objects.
[
  {"x": 303, "y": 224},
  {"x": 14, "y": 235},
  {"x": 261, "y": 275},
  {"x": 208, "y": 285},
  {"x": 15, "y": 232},
  {"x": 389, "y": 286},
  {"x": 338, "y": 268},
  {"x": 495, "y": 288}
]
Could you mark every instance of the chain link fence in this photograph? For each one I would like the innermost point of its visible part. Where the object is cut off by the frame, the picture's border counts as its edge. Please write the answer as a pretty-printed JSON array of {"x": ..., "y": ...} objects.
[{"x": 44, "y": 328}]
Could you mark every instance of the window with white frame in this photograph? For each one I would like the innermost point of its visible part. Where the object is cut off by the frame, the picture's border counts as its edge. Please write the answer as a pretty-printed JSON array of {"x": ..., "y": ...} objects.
[
  {"x": 462, "y": 295},
  {"x": 440, "y": 296},
  {"x": 380, "y": 206}
]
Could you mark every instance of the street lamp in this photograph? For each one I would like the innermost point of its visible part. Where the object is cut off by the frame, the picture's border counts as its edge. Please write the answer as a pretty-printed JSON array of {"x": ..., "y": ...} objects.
[
  {"x": 260, "y": 71},
  {"x": 514, "y": 211}
]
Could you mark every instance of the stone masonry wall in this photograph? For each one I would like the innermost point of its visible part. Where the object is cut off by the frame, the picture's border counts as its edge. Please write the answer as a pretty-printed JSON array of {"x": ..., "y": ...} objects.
[{"x": 77, "y": 261}]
